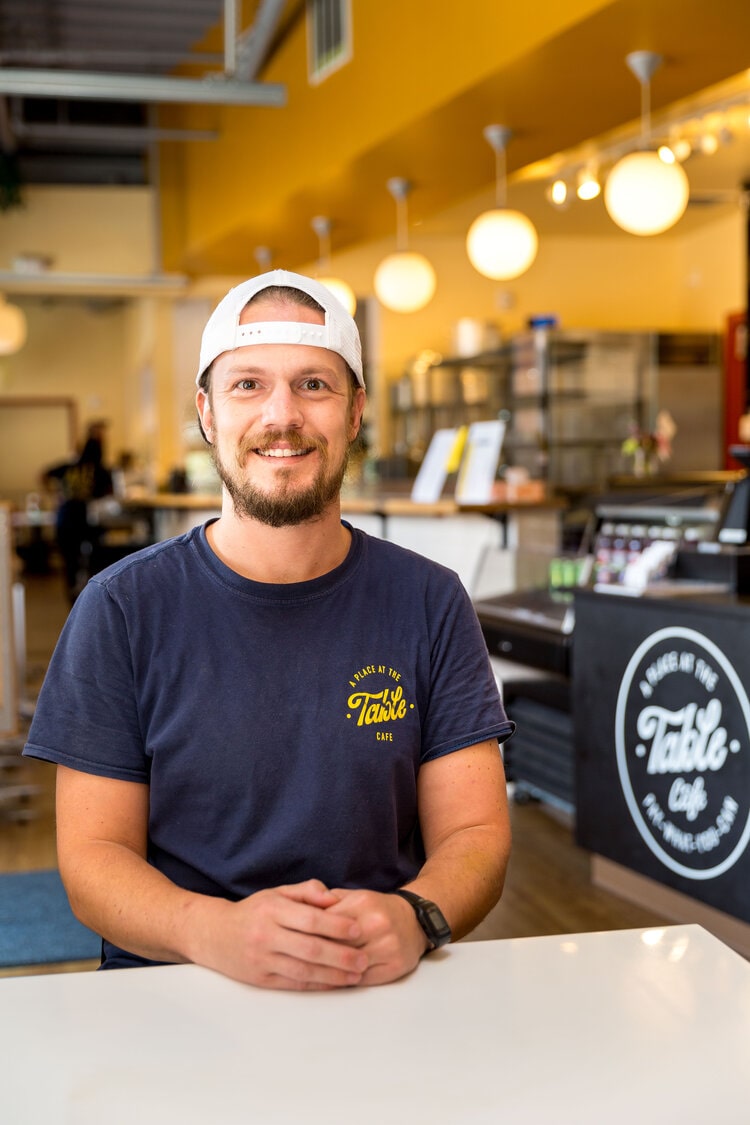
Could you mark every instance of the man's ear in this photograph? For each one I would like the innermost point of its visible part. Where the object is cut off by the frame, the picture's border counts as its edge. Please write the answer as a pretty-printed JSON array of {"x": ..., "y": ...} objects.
[
  {"x": 205, "y": 416},
  {"x": 358, "y": 409}
]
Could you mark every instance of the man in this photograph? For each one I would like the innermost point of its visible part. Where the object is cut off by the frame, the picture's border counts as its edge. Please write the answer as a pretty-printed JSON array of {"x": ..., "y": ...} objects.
[{"x": 267, "y": 728}]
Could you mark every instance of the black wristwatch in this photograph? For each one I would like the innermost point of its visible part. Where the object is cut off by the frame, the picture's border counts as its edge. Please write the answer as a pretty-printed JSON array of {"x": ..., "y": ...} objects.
[{"x": 430, "y": 917}]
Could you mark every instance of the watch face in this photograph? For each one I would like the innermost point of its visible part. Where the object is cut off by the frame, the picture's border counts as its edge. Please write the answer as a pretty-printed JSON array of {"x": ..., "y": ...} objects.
[
  {"x": 435, "y": 916},
  {"x": 430, "y": 918},
  {"x": 434, "y": 923}
]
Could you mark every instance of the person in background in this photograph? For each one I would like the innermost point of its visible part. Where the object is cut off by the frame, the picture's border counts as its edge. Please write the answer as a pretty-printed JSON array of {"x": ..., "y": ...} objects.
[
  {"x": 129, "y": 478},
  {"x": 78, "y": 482},
  {"x": 276, "y": 736}
]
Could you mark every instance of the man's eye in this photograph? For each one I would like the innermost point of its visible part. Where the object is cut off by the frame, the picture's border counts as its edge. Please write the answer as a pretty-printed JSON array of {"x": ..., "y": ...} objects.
[
  {"x": 247, "y": 384},
  {"x": 314, "y": 384}
]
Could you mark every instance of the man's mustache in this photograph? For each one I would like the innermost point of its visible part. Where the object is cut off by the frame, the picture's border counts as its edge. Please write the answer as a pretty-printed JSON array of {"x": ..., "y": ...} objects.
[{"x": 259, "y": 443}]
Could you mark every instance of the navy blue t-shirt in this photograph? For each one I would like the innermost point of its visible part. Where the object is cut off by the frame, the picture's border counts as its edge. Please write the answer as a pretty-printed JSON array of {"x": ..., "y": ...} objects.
[{"x": 280, "y": 727}]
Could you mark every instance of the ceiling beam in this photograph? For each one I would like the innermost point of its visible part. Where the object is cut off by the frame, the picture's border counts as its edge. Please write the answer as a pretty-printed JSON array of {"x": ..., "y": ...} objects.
[
  {"x": 104, "y": 137},
  {"x": 51, "y": 282},
  {"x": 93, "y": 56},
  {"x": 138, "y": 88},
  {"x": 253, "y": 44}
]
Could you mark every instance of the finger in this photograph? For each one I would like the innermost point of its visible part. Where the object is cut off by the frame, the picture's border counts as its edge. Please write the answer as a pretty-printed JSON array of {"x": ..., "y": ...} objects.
[
  {"x": 319, "y": 952},
  {"x": 276, "y": 923},
  {"x": 305, "y": 918},
  {"x": 371, "y": 911},
  {"x": 349, "y": 902},
  {"x": 312, "y": 891},
  {"x": 304, "y": 974}
]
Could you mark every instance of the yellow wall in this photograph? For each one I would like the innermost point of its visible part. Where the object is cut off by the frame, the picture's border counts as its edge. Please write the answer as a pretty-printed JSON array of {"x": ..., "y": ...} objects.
[
  {"x": 713, "y": 269},
  {"x": 82, "y": 229},
  {"x": 73, "y": 350}
]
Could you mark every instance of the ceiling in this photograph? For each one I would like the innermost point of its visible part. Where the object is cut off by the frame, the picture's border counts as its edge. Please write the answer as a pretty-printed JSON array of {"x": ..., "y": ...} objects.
[
  {"x": 570, "y": 90},
  {"x": 557, "y": 91},
  {"x": 58, "y": 140}
]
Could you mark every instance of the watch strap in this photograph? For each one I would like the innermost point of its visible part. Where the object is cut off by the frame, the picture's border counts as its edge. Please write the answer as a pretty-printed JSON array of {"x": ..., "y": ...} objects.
[{"x": 430, "y": 918}]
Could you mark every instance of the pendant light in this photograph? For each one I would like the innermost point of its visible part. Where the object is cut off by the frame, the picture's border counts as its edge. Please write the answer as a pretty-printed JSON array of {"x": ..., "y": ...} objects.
[
  {"x": 345, "y": 294},
  {"x": 501, "y": 243},
  {"x": 643, "y": 194},
  {"x": 405, "y": 281},
  {"x": 12, "y": 328}
]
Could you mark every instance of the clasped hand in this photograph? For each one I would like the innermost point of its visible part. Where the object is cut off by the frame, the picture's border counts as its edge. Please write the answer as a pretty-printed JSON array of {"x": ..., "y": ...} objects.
[{"x": 306, "y": 936}]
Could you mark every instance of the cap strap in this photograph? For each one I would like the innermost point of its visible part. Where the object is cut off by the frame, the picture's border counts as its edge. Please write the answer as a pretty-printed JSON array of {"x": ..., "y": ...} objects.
[{"x": 284, "y": 332}]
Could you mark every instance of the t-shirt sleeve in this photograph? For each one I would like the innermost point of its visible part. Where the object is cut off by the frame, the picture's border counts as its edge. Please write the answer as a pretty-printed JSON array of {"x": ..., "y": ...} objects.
[
  {"x": 465, "y": 706},
  {"x": 86, "y": 715}
]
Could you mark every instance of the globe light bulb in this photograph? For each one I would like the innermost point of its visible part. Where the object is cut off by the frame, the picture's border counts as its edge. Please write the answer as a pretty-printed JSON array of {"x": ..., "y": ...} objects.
[
  {"x": 405, "y": 281},
  {"x": 12, "y": 328},
  {"x": 643, "y": 195},
  {"x": 502, "y": 243},
  {"x": 343, "y": 292}
]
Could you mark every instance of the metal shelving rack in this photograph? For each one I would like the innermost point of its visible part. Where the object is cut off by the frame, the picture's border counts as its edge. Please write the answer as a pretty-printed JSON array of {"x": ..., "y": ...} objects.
[{"x": 569, "y": 400}]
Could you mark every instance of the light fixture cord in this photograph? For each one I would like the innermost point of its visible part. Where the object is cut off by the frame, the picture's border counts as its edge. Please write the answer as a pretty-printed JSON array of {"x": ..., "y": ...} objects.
[
  {"x": 500, "y": 177},
  {"x": 324, "y": 251},
  {"x": 402, "y": 224},
  {"x": 645, "y": 113}
]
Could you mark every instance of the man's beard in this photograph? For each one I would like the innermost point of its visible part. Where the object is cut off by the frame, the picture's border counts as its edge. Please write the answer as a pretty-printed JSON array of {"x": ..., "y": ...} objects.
[{"x": 287, "y": 505}]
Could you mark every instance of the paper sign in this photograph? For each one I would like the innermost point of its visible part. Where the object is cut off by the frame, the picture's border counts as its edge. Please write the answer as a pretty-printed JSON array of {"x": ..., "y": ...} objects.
[
  {"x": 430, "y": 479},
  {"x": 479, "y": 466}
]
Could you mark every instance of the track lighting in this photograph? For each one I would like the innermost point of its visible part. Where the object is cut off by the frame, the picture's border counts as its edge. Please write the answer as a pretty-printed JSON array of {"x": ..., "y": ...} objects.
[{"x": 588, "y": 184}]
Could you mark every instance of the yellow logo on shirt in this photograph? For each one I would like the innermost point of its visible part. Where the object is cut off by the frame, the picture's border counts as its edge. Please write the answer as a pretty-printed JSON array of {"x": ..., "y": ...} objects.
[{"x": 373, "y": 705}]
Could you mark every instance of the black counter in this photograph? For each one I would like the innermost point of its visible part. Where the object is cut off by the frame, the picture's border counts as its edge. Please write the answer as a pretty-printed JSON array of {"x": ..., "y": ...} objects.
[{"x": 662, "y": 736}]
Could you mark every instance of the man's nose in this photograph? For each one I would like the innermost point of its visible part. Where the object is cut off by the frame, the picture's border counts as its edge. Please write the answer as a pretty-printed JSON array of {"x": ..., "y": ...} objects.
[{"x": 281, "y": 408}]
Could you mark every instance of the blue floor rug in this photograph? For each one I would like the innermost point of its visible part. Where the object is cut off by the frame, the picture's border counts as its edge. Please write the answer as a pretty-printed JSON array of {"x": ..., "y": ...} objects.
[{"x": 37, "y": 926}]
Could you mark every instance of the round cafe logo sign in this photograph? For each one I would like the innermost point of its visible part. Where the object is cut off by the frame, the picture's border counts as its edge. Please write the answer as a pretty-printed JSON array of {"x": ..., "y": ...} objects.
[{"x": 682, "y": 732}]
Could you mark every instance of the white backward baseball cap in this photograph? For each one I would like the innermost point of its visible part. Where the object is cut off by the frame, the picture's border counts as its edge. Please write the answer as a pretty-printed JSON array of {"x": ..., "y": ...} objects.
[{"x": 223, "y": 332}]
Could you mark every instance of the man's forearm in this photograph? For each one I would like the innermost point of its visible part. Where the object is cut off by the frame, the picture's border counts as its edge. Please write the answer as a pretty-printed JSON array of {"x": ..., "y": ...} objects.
[
  {"x": 463, "y": 814},
  {"x": 118, "y": 894},
  {"x": 464, "y": 875}
]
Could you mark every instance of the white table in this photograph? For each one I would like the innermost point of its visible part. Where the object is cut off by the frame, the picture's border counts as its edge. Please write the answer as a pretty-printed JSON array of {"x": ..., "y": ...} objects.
[{"x": 608, "y": 1029}]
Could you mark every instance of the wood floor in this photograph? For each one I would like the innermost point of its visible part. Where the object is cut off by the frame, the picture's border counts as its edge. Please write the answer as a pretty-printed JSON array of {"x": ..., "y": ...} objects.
[{"x": 548, "y": 890}]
